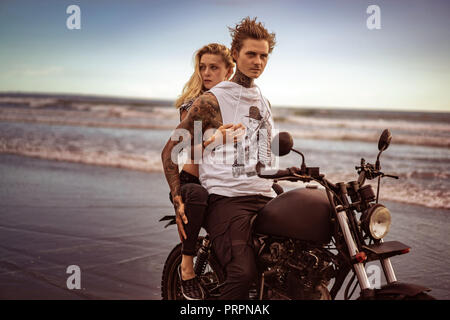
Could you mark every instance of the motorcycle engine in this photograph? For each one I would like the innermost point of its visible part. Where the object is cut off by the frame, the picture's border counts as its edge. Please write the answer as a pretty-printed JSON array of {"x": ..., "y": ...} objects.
[{"x": 295, "y": 271}]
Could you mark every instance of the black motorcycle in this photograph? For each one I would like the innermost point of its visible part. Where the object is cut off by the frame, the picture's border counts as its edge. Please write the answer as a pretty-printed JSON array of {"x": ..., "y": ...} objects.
[{"x": 306, "y": 237}]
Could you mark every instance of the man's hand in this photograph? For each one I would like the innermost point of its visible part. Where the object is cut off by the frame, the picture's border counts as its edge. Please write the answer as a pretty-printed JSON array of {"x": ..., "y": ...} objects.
[
  {"x": 180, "y": 217},
  {"x": 228, "y": 133}
]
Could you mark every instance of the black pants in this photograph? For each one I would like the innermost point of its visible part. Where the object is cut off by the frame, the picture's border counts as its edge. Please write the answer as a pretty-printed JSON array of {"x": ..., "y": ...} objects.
[
  {"x": 195, "y": 199},
  {"x": 228, "y": 222}
]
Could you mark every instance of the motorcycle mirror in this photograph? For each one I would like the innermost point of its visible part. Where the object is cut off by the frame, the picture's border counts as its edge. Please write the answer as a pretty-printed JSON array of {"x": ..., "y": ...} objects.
[
  {"x": 385, "y": 140},
  {"x": 282, "y": 144}
]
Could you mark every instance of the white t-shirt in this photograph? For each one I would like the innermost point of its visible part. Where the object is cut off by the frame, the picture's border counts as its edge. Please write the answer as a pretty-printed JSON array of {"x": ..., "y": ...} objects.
[{"x": 230, "y": 169}]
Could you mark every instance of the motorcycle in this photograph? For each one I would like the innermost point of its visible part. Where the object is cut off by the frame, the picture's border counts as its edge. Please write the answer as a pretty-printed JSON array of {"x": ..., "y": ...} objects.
[{"x": 307, "y": 237}]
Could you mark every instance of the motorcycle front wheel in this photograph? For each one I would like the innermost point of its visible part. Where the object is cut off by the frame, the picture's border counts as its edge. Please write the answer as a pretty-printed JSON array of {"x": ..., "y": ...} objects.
[{"x": 210, "y": 279}]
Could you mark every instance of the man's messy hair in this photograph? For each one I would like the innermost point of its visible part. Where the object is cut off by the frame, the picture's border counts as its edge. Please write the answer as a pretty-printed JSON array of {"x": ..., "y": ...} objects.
[{"x": 248, "y": 28}]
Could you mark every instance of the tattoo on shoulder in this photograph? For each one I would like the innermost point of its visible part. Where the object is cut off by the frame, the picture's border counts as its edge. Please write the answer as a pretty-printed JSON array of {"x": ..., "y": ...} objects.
[{"x": 206, "y": 109}]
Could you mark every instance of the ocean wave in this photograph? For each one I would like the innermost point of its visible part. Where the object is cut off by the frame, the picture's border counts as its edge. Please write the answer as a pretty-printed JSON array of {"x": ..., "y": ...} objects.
[
  {"x": 370, "y": 124},
  {"x": 403, "y": 192},
  {"x": 426, "y": 175},
  {"x": 128, "y": 116},
  {"x": 342, "y": 135},
  {"x": 28, "y": 101},
  {"x": 149, "y": 162},
  {"x": 79, "y": 133},
  {"x": 167, "y": 119},
  {"x": 412, "y": 194},
  {"x": 117, "y": 117},
  {"x": 133, "y": 151}
]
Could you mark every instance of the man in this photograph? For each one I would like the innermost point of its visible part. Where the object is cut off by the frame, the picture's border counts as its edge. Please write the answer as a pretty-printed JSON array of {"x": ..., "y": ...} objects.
[{"x": 234, "y": 198}]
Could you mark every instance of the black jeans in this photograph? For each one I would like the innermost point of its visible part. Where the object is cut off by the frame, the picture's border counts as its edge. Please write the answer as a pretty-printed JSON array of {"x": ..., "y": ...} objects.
[
  {"x": 195, "y": 199},
  {"x": 228, "y": 222}
]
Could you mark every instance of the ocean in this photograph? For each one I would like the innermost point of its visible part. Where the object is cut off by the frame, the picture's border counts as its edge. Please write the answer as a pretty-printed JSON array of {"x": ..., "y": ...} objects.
[{"x": 130, "y": 133}]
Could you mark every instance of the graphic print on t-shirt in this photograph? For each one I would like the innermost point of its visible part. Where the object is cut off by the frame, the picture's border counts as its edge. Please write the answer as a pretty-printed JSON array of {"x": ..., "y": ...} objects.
[{"x": 255, "y": 147}]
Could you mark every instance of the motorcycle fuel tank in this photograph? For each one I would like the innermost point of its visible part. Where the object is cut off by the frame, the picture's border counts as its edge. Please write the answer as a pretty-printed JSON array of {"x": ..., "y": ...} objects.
[{"x": 302, "y": 214}]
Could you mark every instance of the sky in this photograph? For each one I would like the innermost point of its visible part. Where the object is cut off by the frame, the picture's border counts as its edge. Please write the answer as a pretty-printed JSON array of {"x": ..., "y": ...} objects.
[{"x": 326, "y": 56}]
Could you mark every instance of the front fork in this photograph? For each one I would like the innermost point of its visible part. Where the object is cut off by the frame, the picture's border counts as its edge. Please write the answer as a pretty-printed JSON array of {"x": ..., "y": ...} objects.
[
  {"x": 360, "y": 271},
  {"x": 388, "y": 269}
]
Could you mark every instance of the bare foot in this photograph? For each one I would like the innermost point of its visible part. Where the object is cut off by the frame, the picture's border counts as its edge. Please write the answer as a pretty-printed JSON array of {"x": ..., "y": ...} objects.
[{"x": 187, "y": 273}]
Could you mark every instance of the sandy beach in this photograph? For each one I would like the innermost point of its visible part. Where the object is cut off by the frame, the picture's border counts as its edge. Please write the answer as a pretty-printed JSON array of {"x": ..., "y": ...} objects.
[{"x": 105, "y": 220}]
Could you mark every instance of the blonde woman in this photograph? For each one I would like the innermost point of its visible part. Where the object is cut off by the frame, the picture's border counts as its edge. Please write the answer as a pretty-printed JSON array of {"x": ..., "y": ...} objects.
[{"x": 213, "y": 64}]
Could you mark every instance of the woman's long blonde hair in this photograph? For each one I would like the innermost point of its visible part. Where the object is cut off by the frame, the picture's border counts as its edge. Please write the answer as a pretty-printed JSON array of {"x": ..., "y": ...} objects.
[{"x": 194, "y": 87}]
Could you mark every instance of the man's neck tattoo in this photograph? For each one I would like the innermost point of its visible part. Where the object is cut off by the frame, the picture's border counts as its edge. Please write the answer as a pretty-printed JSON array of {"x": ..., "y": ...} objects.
[{"x": 242, "y": 79}]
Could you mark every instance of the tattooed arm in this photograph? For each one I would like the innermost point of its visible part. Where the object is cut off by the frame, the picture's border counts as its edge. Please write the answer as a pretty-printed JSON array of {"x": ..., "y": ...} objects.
[{"x": 205, "y": 109}]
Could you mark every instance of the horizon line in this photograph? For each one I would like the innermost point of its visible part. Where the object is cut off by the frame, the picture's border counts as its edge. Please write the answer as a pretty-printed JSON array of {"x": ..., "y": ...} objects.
[{"x": 171, "y": 101}]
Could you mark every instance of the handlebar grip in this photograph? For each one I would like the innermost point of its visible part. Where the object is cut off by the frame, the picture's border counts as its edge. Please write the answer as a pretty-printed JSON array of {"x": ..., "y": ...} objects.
[
  {"x": 391, "y": 176},
  {"x": 280, "y": 173}
]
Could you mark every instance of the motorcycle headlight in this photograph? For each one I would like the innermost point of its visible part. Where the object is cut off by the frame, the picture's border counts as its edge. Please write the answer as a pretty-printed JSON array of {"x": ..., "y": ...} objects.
[{"x": 377, "y": 221}]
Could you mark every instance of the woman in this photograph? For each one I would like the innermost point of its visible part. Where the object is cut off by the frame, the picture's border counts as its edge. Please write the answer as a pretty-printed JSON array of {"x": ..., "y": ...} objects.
[{"x": 213, "y": 64}]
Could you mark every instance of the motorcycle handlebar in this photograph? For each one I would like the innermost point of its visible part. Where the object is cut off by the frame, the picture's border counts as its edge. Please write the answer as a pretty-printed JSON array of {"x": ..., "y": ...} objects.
[
  {"x": 390, "y": 176},
  {"x": 280, "y": 173},
  {"x": 371, "y": 173}
]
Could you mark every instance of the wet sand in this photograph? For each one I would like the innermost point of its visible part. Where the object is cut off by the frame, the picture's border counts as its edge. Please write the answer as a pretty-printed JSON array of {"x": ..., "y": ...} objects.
[{"x": 105, "y": 220}]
